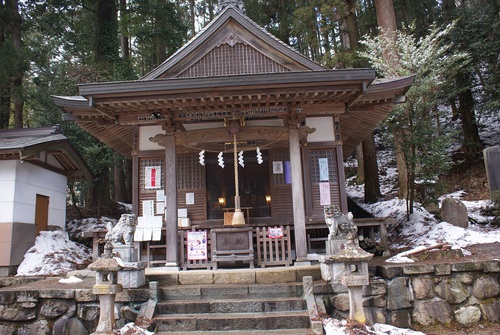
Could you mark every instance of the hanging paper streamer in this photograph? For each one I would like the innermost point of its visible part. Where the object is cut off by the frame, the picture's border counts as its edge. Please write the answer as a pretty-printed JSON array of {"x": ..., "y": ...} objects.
[
  {"x": 221, "y": 159},
  {"x": 202, "y": 157},
  {"x": 240, "y": 159},
  {"x": 259, "y": 156}
]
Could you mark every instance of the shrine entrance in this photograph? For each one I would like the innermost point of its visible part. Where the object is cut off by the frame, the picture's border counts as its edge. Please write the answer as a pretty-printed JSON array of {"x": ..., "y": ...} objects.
[{"x": 255, "y": 193}]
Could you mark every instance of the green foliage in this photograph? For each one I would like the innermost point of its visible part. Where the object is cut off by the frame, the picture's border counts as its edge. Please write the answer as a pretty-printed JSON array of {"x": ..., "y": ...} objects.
[
  {"x": 152, "y": 22},
  {"x": 425, "y": 141},
  {"x": 478, "y": 34}
]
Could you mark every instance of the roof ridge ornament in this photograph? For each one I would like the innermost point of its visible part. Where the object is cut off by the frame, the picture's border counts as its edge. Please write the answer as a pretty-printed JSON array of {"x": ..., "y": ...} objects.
[{"x": 236, "y": 4}]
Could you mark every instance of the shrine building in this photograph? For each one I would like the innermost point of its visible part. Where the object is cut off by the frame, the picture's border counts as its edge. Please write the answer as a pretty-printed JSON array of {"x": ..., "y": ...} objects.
[{"x": 234, "y": 91}]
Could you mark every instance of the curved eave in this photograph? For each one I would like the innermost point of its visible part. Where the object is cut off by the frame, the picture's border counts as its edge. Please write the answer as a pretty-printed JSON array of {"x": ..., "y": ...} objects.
[
  {"x": 118, "y": 137},
  {"x": 371, "y": 109},
  {"x": 107, "y": 110}
]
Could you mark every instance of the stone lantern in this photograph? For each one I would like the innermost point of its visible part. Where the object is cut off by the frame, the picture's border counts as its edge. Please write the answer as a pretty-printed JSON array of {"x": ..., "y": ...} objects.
[
  {"x": 346, "y": 263},
  {"x": 355, "y": 276},
  {"x": 106, "y": 287}
]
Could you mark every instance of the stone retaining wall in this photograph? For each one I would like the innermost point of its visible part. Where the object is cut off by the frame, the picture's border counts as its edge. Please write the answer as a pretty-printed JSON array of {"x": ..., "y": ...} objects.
[
  {"x": 426, "y": 294},
  {"x": 30, "y": 309}
]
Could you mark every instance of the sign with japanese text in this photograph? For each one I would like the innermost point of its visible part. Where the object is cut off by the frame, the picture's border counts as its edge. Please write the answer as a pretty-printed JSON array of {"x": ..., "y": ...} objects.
[
  {"x": 152, "y": 177},
  {"x": 275, "y": 232},
  {"x": 323, "y": 169},
  {"x": 197, "y": 245},
  {"x": 324, "y": 194}
]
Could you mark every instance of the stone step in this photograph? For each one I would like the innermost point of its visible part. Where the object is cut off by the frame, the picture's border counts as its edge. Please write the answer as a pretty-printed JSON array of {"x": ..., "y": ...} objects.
[
  {"x": 232, "y": 321},
  {"x": 231, "y": 290},
  {"x": 303, "y": 331},
  {"x": 231, "y": 305}
]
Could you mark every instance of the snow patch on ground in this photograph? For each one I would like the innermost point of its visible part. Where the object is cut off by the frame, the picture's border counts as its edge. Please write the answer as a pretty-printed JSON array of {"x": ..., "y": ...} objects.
[{"x": 53, "y": 254}]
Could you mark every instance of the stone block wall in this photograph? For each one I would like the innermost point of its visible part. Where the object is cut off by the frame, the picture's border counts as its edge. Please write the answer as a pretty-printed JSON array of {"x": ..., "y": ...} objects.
[
  {"x": 59, "y": 310},
  {"x": 427, "y": 294}
]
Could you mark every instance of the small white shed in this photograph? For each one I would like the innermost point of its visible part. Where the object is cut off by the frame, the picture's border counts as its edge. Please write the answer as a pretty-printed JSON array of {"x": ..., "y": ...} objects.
[{"x": 35, "y": 165}]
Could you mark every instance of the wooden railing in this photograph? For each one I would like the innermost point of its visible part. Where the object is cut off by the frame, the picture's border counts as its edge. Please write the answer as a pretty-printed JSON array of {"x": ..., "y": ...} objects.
[
  {"x": 273, "y": 251},
  {"x": 366, "y": 226}
]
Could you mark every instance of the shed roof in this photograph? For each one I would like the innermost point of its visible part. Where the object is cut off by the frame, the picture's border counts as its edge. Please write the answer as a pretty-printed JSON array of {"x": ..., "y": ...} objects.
[{"x": 27, "y": 144}]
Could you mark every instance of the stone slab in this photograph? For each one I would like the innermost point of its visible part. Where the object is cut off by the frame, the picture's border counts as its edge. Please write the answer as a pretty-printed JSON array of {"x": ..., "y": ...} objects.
[
  {"x": 201, "y": 278},
  {"x": 389, "y": 271},
  {"x": 418, "y": 269},
  {"x": 268, "y": 277},
  {"x": 243, "y": 277},
  {"x": 467, "y": 266},
  {"x": 442, "y": 269}
]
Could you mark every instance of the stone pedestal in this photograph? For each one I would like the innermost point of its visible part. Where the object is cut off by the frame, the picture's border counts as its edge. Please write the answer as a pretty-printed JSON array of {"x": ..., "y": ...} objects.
[
  {"x": 335, "y": 244},
  {"x": 132, "y": 275},
  {"x": 330, "y": 271},
  {"x": 128, "y": 253}
]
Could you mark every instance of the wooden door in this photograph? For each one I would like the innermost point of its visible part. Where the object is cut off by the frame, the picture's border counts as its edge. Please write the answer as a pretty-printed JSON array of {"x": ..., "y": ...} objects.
[{"x": 41, "y": 213}]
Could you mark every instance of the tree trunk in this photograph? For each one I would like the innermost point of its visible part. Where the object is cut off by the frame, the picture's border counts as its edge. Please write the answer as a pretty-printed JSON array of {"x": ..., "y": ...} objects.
[
  {"x": 360, "y": 174},
  {"x": 17, "y": 81},
  {"x": 119, "y": 181},
  {"x": 161, "y": 45},
  {"x": 372, "y": 184},
  {"x": 193, "y": 17},
  {"x": 471, "y": 145},
  {"x": 352, "y": 24},
  {"x": 397, "y": 134},
  {"x": 5, "y": 97},
  {"x": 106, "y": 36},
  {"x": 124, "y": 40},
  {"x": 386, "y": 18}
]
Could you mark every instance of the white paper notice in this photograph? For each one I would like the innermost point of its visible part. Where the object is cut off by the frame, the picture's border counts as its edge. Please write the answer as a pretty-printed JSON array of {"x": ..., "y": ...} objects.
[
  {"x": 323, "y": 169},
  {"x": 160, "y": 195},
  {"x": 324, "y": 194},
  {"x": 148, "y": 208},
  {"x": 277, "y": 167},
  {"x": 189, "y": 198},
  {"x": 148, "y": 228},
  {"x": 160, "y": 207}
]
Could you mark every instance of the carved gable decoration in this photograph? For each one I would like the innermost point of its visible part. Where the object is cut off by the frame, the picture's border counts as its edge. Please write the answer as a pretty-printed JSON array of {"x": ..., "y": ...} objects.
[
  {"x": 232, "y": 44},
  {"x": 232, "y": 56}
]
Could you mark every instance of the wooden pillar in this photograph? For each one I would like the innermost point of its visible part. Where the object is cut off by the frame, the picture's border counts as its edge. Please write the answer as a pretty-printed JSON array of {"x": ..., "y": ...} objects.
[
  {"x": 341, "y": 176},
  {"x": 135, "y": 185},
  {"x": 135, "y": 174},
  {"x": 171, "y": 201},
  {"x": 299, "y": 216}
]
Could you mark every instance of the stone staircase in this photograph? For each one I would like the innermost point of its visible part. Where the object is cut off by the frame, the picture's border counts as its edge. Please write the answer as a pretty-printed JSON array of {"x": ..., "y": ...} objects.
[{"x": 231, "y": 303}]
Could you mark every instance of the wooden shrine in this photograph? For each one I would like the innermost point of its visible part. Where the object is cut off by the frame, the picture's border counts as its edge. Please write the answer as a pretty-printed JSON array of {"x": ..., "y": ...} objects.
[{"x": 297, "y": 122}]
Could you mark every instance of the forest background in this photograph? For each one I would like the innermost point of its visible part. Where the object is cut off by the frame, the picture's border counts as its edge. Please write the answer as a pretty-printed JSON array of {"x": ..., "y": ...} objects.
[{"x": 48, "y": 47}]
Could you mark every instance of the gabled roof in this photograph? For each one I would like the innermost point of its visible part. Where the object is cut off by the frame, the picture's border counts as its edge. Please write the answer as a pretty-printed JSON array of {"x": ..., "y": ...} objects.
[
  {"x": 234, "y": 69},
  {"x": 27, "y": 144},
  {"x": 232, "y": 44}
]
